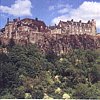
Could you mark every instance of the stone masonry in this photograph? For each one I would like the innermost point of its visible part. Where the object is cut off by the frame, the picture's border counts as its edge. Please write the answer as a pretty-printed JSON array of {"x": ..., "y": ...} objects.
[{"x": 60, "y": 37}]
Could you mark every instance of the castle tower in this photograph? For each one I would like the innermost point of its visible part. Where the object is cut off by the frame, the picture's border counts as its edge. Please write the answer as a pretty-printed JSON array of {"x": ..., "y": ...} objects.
[
  {"x": 10, "y": 29},
  {"x": 7, "y": 29},
  {"x": 93, "y": 27}
]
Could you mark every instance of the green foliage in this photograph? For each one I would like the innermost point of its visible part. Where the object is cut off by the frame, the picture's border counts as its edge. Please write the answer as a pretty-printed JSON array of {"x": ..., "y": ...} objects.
[
  {"x": 37, "y": 94},
  {"x": 11, "y": 43},
  {"x": 51, "y": 56},
  {"x": 6, "y": 94},
  {"x": 19, "y": 66},
  {"x": 27, "y": 73},
  {"x": 85, "y": 91}
]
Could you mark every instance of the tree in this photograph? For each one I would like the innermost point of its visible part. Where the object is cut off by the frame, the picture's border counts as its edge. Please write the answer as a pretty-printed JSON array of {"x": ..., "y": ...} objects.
[
  {"x": 22, "y": 65},
  {"x": 85, "y": 91},
  {"x": 11, "y": 43}
]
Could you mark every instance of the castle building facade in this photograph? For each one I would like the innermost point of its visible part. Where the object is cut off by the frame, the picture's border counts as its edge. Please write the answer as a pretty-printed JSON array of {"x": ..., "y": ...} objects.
[
  {"x": 25, "y": 29},
  {"x": 33, "y": 30},
  {"x": 59, "y": 38},
  {"x": 72, "y": 27}
]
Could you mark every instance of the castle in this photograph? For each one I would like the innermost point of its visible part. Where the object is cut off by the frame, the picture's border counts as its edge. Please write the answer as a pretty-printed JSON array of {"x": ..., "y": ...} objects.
[
  {"x": 71, "y": 27},
  {"x": 35, "y": 31},
  {"x": 16, "y": 27}
]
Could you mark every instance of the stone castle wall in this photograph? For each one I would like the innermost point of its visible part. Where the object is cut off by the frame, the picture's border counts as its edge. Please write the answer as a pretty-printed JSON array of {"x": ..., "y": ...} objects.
[{"x": 59, "y": 38}]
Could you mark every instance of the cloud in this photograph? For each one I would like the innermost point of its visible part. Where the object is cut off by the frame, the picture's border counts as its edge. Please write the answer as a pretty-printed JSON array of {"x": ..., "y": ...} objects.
[
  {"x": 65, "y": 9},
  {"x": 51, "y": 8},
  {"x": 59, "y": 7},
  {"x": 86, "y": 11},
  {"x": 19, "y": 8}
]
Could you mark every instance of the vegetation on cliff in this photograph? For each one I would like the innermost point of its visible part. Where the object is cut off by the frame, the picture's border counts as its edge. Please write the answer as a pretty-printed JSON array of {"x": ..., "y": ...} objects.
[{"x": 27, "y": 73}]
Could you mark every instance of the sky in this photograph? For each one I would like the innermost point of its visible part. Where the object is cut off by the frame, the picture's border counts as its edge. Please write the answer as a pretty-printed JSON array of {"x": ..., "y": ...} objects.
[{"x": 50, "y": 11}]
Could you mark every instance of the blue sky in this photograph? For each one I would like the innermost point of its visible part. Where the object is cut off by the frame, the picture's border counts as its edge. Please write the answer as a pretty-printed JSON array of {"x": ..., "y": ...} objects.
[{"x": 50, "y": 11}]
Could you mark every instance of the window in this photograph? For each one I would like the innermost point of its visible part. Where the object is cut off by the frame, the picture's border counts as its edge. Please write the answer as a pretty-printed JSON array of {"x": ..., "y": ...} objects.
[
  {"x": 89, "y": 30},
  {"x": 41, "y": 27},
  {"x": 60, "y": 25}
]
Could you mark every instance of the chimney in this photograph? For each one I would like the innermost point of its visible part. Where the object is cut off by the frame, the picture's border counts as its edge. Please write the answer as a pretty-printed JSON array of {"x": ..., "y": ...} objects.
[
  {"x": 36, "y": 19},
  {"x": 80, "y": 21},
  {"x": 93, "y": 20},
  {"x": 7, "y": 20},
  {"x": 88, "y": 21},
  {"x": 72, "y": 20},
  {"x": 14, "y": 20}
]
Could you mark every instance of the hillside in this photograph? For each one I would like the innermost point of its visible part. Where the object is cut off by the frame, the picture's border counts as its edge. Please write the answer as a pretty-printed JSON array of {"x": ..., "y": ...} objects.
[{"x": 25, "y": 73}]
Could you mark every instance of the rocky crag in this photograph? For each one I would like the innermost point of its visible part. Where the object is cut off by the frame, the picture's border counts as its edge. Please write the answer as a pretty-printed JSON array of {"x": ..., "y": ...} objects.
[{"x": 50, "y": 38}]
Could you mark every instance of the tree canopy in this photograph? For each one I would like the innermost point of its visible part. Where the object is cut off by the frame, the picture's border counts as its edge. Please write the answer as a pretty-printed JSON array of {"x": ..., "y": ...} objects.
[{"x": 25, "y": 72}]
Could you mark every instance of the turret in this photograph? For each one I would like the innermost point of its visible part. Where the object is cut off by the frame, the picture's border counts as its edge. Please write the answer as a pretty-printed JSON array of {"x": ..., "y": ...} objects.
[
  {"x": 93, "y": 22},
  {"x": 93, "y": 27},
  {"x": 60, "y": 24}
]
